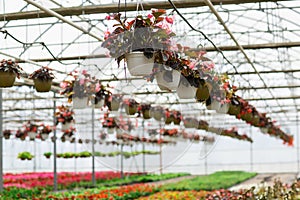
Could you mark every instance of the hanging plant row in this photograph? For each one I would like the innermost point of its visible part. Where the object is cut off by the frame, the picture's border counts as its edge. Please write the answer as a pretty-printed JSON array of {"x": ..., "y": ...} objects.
[
  {"x": 148, "y": 39},
  {"x": 9, "y": 70}
]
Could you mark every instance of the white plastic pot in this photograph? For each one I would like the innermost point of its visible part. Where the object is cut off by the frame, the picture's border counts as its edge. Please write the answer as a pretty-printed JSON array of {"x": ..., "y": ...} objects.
[
  {"x": 186, "y": 92},
  {"x": 163, "y": 84},
  {"x": 44, "y": 136},
  {"x": 66, "y": 126},
  {"x": 138, "y": 64},
  {"x": 223, "y": 108},
  {"x": 215, "y": 105},
  {"x": 80, "y": 103},
  {"x": 100, "y": 104},
  {"x": 32, "y": 135}
]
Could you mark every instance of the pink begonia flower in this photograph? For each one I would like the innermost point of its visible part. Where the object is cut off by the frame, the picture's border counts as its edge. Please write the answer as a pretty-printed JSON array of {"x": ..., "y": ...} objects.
[
  {"x": 201, "y": 53},
  {"x": 149, "y": 16},
  {"x": 216, "y": 78},
  {"x": 63, "y": 84},
  {"x": 106, "y": 34},
  {"x": 209, "y": 64},
  {"x": 98, "y": 87},
  {"x": 81, "y": 81},
  {"x": 84, "y": 72},
  {"x": 170, "y": 19},
  {"x": 192, "y": 65}
]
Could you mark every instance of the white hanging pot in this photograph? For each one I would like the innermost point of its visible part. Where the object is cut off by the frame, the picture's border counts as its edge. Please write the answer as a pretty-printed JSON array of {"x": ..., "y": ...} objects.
[
  {"x": 185, "y": 90},
  {"x": 80, "y": 103},
  {"x": 66, "y": 126},
  {"x": 44, "y": 136},
  {"x": 31, "y": 135},
  {"x": 99, "y": 104},
  {"x": 223, "y": 108},
  {"x": 110, "y": 130},
  {"x": 138, "y": 64},
  {"x": 215, "y": 105},
  {"x": 167, "y": 78}
]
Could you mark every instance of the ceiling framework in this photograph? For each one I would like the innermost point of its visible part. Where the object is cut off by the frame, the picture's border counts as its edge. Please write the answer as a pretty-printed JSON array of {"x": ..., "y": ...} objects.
[{"x": 270, "y": 41}]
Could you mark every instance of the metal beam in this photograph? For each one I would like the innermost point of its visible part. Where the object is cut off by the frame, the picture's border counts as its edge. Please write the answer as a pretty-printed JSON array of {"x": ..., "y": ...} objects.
[
  {"x": 113, "y": 8},
  {"x": 209, "y": 49},
  {"x": 62, "y": 18}
]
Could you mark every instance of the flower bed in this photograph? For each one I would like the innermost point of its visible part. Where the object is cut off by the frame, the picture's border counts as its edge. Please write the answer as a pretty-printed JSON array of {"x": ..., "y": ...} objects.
[{"x": 44, "y": 179}]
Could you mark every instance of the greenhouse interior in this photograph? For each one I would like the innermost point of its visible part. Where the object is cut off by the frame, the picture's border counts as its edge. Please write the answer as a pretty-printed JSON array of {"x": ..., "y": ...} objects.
[{"x": 208, "y": 110}]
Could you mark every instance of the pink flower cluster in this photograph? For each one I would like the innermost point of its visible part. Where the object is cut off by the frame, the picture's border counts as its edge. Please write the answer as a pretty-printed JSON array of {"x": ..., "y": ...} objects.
[{"x": 42, "y": 179}]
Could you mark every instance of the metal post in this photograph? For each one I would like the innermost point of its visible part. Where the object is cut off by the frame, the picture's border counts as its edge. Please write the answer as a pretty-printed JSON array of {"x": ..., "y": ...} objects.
[
  {"x": 1, "y": 143},
  {"x": 251, "y": 151},
  {"x": 144, "y": 157},
  {"x": 54, "y": 145},
  {"x": 160, "y": 151},
  {"x": 205, "y": 159},
  {"x": 93, "y": 148},
  {"x": 122, "y": 167},
  {"x": 298, "y": 153}
]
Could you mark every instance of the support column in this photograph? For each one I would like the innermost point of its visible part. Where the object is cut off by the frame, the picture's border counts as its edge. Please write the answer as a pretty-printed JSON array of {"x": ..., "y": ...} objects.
[
  {"x": 1, "y": 142},
  {"x": 54, "y": 146},
  {"x": 93, "y": 148}
]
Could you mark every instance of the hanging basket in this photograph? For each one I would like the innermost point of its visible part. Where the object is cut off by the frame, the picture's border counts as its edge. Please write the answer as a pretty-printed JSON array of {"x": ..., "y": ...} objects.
[
  {"x": 185, "y": 90},
  {"x": 146, "y": 114},
  {"x": 130, "y": 110},
  {"x": 110, "y": 130},
  {"x": 138, "y": 64},
  {"x": 44, "y": 136},
  {"x": 234, "y": 109},
  {"x": 223, "y": 108},
  {"x": 115, "y": 105},
  {"x": 157, "y": 114},
  {"x": 177, "y": 121},
  {"x": 168, "y": 79},
  {"x": 42, "y": 85},
  {"x": 80, "y": 103},
  {"x": 7, "y": 79},
  {"x": 215, "y": 105},
  {"x": 32, "y": 135},
  {"x": 202, "y": 92},
  {"x": 66, "y": 126},
  {"x": 99, "y": 104}
]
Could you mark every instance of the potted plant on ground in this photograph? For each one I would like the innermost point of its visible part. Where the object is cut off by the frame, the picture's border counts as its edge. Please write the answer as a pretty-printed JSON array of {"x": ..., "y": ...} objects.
[
  {"x": 47, "y": 154},
  {"x": 139, "y": 40},
  {"x": 6, "y": 134},
  {"x": 9, "y": 70},
  {"x": 25, "y": 155},
  {"x": 42, "y": 79},
  {"x": 45, "y": 131},
  {"x": 131, "y": 106}
]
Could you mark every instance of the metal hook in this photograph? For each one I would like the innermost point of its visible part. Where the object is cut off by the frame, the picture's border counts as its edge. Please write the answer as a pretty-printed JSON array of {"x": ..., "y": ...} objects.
[{"x": 226, "y": 10}]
